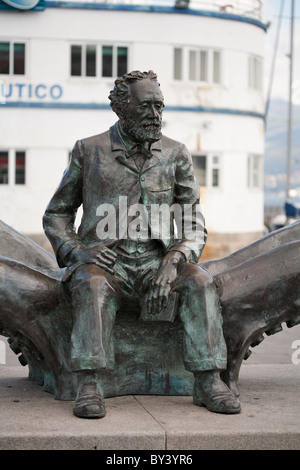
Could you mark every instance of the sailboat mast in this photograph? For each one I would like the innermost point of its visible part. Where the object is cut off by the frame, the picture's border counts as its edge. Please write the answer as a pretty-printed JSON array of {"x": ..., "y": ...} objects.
[{"x": 290, "y": 114}]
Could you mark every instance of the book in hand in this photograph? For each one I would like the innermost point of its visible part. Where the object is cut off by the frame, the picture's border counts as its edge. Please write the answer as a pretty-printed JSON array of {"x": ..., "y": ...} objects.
[{"x": 167, "y": 313}]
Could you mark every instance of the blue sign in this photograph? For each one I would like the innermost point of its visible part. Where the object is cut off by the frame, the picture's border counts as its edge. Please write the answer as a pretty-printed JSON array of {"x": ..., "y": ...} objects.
[
  {"x": 39, "y": 91},
  {"x": 22, "y": 4}
]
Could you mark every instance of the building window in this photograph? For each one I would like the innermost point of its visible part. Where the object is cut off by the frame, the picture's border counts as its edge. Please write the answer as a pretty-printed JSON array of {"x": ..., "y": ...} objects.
[
  {"x": 3, "y": 167},
  {"x": 20, "y": 168},
  {"x": 19, "y": 59},
  {"x": 122, "y": 53},
  {"x": 199, "y": 162},
  {"x": 177, "y": 64},
  {"x": 215, "y": 170},
  {"x": 193, "y": 69},
  {"x": 114, "y": 61},
  {"x": 12, "y": 167},
  {"x": 255, "y": 72},
  {"x": 85, "y": 58},
  {"x": 202, "y": 65},
  {"x": 107, "y": 61},
  {"x": 76, "y": 60},
  {"x": 216, "y": 67},
  {"x": 198, "y": 65},
  {"x": 12, "y": 58},
  {"x": 4, "y": 57},
  {"x": 254, "y": 171},
  {"x": 207, "y": 170},
  {"x": 90, "y": 62}
]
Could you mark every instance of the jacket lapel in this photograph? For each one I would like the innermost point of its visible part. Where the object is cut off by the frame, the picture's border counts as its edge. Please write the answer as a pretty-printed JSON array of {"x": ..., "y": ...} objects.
[
  {"x": 119, "y": 150},
  {"x": 129, "y": 162},
  {"x": 149, "y": 163}
]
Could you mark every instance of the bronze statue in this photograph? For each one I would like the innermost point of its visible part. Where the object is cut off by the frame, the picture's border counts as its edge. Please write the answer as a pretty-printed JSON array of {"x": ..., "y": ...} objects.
[
  {"x": 128, "y": 309},
  {"x": 135, "y": 161}
]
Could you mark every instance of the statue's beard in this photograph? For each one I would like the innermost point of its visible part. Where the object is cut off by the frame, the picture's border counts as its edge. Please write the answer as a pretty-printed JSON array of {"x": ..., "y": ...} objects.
[{"x": 147, "y": 131}]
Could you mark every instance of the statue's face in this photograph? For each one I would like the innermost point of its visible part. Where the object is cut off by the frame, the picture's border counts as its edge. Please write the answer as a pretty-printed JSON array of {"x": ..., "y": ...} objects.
[{"x": 143, "y": 117}]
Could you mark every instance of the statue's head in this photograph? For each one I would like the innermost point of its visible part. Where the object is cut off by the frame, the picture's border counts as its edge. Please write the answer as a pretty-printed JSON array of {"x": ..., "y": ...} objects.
[{"x": 138, "y": 102}]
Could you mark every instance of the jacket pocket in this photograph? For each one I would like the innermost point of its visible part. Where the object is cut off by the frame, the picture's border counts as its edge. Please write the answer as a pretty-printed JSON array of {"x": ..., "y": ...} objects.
[{"x": 161, "y": 195}]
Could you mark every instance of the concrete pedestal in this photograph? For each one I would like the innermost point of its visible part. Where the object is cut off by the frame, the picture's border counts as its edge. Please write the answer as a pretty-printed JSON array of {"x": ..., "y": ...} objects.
[{"x": 270, "y": 419}]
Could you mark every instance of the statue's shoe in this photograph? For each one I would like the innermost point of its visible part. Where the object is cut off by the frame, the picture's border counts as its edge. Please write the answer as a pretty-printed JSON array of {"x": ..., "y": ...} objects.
[
  {"x": 89, "y": 402},
  {"x": 215, "y": 396}
]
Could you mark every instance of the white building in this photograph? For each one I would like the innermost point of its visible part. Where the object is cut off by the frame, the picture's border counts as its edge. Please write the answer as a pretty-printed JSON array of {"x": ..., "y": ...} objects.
[{"x": 58, "y": 62}]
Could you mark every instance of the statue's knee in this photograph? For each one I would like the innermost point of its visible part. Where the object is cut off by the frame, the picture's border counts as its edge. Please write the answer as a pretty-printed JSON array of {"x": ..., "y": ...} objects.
[
  {"x": 198, "y": 279},
  {"x": 89, "y": 276}
]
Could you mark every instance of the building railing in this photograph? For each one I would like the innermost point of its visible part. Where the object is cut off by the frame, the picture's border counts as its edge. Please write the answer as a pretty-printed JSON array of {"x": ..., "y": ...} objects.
[{"x": 247, "y": 8}]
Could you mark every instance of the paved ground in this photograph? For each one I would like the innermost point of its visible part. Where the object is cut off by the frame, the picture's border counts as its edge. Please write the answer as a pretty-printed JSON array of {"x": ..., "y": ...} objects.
[{"x": 270, "y": 418}]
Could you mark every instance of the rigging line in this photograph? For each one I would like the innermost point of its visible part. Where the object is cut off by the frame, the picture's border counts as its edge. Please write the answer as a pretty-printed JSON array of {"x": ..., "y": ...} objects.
[
  {"x": 274, "y": 62},
  {"x": 290, "y": 118}
]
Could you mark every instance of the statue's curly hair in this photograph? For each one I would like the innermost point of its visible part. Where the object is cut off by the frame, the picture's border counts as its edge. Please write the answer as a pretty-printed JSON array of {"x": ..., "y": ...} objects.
[{"x": 120, "y": 94}]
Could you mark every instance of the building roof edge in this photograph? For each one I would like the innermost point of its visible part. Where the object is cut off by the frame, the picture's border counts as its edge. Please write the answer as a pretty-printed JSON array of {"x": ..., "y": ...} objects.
[
  {"x": 44, "y": 4},
  {"x": 155, "y": 9}
]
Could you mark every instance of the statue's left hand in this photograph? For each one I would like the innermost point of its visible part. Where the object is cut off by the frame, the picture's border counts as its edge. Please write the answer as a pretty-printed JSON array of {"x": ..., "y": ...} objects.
[{"x": 158, "y": 293}]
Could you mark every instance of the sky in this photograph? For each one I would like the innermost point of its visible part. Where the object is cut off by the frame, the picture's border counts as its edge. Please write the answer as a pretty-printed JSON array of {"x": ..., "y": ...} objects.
[
  {"x": 277, "y": 119},
  {"x": 280, "y": 88}
]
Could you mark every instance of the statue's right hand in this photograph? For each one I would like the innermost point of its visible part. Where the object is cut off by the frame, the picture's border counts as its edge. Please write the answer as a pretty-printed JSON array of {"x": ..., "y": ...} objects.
[{"x": 99, "y": 255}]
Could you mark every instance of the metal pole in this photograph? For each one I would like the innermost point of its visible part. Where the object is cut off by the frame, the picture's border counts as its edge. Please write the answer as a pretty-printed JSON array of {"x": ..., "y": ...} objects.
[
  {"x": 290, "y": 116},
  {"x": 273, "y": 63}
]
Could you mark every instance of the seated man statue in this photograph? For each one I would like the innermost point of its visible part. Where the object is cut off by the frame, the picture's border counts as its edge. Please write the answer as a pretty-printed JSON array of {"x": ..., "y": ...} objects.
[{"x": 110, "y": 262}]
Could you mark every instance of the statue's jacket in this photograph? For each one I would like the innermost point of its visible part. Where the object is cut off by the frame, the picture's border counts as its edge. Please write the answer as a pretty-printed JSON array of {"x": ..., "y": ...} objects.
[{"x": 99, "y": 173}]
